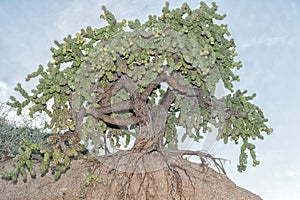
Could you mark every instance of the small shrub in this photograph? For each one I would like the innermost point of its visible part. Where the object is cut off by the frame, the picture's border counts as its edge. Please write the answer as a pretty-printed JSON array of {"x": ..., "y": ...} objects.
[{"x": 11, "y": 135}]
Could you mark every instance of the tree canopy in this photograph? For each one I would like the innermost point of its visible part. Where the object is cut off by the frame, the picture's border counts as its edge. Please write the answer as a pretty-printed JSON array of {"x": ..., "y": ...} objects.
[{"x": 142, "y": 80}]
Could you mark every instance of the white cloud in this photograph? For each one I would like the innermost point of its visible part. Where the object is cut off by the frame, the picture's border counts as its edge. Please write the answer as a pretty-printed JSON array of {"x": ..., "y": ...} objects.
[
  {"x": 76, "y": 15},
  {"x": 262, "y": 41},
  {"x": 4, "y": 91},
  {"x": 291, "y": 173}
]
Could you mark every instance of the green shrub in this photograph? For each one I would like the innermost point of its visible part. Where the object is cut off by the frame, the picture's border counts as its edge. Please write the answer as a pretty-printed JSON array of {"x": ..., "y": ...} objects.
[{"x": 11, "y": 135}]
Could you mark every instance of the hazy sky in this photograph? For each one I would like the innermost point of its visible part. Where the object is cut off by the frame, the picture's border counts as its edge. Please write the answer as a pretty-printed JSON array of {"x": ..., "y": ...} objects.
[{"x": 266, "y": 33}]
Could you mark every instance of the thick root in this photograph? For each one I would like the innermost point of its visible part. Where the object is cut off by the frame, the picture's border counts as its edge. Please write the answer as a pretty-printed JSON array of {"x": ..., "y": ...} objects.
[{"x": 152, "y": 174}]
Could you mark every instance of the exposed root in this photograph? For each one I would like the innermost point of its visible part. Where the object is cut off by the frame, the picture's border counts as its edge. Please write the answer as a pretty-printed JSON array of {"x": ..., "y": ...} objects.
[
  {"x": 205, "y": 158},
  {"x": 148, "y": 175}
]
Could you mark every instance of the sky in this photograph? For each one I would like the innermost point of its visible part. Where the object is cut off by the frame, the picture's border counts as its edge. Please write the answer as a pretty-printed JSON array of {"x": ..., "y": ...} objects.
[{"x": 266, "y": 34}]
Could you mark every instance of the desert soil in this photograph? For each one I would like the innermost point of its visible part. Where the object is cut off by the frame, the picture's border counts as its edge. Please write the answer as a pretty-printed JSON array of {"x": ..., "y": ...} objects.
[{"x": 196, "y": 182}]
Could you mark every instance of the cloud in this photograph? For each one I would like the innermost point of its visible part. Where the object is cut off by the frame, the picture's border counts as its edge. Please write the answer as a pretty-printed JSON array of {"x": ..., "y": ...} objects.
[
  {"x": 290, "y": 173},
  {"x": 262, "y": 41},
  {"x": 74, "y": 16},
  {"x": 4, "y": 91}
]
